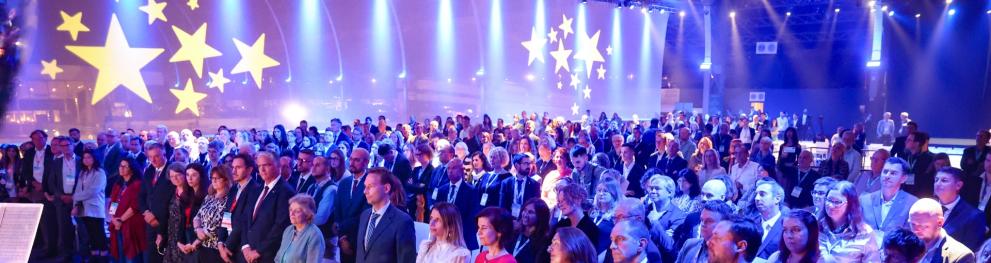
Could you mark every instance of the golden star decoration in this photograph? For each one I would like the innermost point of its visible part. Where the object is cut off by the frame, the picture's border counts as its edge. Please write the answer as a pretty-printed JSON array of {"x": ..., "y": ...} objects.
[
  {"x": 218, "y": 80},
  {"x": 50, "y": 68},
  {"x": 72, "y": 24},
  {"x": 534, "y": 47},
  {"x": 188, "y": 98},
  {"x": 155, "y": 11},
  {"x": 566, "y": 26},
  {"x": 253, "y": 59},
  {"x": 194, "y": 48},
  {"x": 589, "y": 52},
  {"x": 117, "y": 62},
  {"x": 193, "y": 4},
  {"x": 561, "y": 58}
]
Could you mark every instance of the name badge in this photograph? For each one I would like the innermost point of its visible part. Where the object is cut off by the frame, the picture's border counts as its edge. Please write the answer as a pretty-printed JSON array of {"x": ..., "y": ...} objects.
[
  {"x": 796, "y": 192},
  {"x": 113, "y": 208},
  {"x": 790, "y": 149},
  {"x": 434, "y": 196},
  {"x": 516, "y": 210},
  {"x": 485, "y": 197},
  {"x": 225, "y": 222},
  {"x": 910, "y": 180}
]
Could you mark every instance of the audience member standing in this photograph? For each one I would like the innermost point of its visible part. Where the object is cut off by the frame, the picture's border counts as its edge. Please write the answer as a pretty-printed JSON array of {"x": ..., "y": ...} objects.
[{"x": 386, "y": 233}]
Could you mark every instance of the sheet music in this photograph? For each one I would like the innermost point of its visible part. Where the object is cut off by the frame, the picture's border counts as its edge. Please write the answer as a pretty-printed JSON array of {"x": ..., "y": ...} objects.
[{"x": 18, "y": 226}]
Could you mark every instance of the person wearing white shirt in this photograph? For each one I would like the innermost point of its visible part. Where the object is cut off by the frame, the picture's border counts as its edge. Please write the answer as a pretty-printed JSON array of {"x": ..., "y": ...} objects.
[
  {"x": 852, "y": 157},
  {"x": 886, "y": 129},
  {"x": 744, "y": 171},
  {"x": 446, "y": 242},
  {"x": 768, "y": 201}
]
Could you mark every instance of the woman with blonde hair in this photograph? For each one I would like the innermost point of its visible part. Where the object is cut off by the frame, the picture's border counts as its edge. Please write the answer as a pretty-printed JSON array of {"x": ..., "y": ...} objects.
[
  {"x": 695, "y": 161},
  {"x": 302, "y": 241},
  {"x": 446, "y": 243}
]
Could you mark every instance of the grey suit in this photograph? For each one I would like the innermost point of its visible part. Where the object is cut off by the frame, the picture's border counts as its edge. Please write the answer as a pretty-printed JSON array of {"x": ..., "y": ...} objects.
[
  {"x": 952, "y": 251},
  {"x": 392, "y": 241},
  {"x": 897, "y": 217},
  {"x": 693, "y": 251}
]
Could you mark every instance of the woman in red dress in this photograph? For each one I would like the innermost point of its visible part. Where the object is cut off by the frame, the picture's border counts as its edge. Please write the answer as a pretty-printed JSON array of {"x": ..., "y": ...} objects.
[{"x": 127, "y": 228}]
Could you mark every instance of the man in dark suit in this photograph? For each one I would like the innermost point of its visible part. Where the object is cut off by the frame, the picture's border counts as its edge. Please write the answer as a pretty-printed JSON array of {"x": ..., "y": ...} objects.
[
  {"x": 963, "y": 222},
  {"x": 616, "y": 141},
  {"x": 59, "y": 184},
  {"x": 769, "y": 203},
  {"x": 300, "y": 180},
  {"x": 135, "y": 150},
  {"x": 445, "y": 152},
  {"x": 694, "y": 249},
  {"x": 416, "y": 186},
  {"x": 926, "y": 218},
  {"x": 514, "y": 191},
  {"x": 898, "y": 149},
  {"x": 891, "y": 195},
  {"x": 972, "y": 161},
  {"x": 111, "y": 154},
  {"x": 386, "y": 233},
  {"x": 721, "y": 140},
  {"x": 243, "y": 167},
  {"x": 631, "y": 169},
  {"x": 465, "y": 197},
  {"x": 919, "y": 159},
  {"x": 672, "y": 162},
  {"x": 76, "y": 144},
  {"x": 265, "y": 215},
  {"x": 745, "y": 133},
  {"x": 395, "y": 162},
  {"x": 337, "y": 136},
  {"x": 545, "y": 160},
  {"x": 660, "y": 150},
  {"x": 349, "y": 203},
  {"x": 153, "y": 201},
  {"x": 800, "y": 181},
  {"x": 30, "y": 184}
]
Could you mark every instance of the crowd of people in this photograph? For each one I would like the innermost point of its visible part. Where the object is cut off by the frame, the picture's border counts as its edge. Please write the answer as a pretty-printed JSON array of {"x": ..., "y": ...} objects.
[{"x": 677, "y": 188}]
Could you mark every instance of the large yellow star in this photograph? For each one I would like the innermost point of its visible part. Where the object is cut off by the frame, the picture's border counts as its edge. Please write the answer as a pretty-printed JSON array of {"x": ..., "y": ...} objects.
[
  {"x": 188, "y": 98},
  {"x": 193, "y": 4},
  {"x": 194, "y": 48},
  {"x": 154, "y": 11},
  {"x": 588, "y": 51},
  {"x": 72, "y": 24},
  {"x": 535, "y": 46},
  {"x": 561, "y": 58},
  {"x": 253, "y": 59},
  {"x": 119, "y": 64},
  {"x": 218, "y": 80},
  {"x": 50, "y": 68}
]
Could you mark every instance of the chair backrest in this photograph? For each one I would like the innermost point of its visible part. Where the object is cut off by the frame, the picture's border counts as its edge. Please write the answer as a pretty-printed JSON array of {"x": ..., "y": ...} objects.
[{"x": 422, "y": 232}]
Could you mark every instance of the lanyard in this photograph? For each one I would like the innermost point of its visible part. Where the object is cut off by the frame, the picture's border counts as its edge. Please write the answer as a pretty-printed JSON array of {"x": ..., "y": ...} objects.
[
  {"x": 801, "y": 176},
  {"x": 491, "y": 180},
  {"x": 520, "y": 246}
]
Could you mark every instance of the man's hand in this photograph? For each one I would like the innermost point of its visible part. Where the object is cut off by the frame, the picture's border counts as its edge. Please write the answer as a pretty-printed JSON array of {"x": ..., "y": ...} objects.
[
  {"x": 148, "y": 216},
  {"x": 346, "y": 245},
  {"x": 224, "y": 253}
]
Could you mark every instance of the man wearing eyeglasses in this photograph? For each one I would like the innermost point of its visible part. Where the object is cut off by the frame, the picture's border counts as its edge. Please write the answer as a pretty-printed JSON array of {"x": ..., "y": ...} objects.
[{"x": 59, "y": 185}]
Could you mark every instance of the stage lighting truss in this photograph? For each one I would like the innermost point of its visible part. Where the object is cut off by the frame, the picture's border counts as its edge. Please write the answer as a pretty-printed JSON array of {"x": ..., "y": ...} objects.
[{"x": 806, "y": 20}]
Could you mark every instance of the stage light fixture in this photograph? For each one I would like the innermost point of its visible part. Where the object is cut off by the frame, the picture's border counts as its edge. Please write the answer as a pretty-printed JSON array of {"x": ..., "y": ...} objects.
[
  {"x": 918, "y": 15},
  {"x": 732, "y": 14},
  {"x": 891, "y": 13},
  {"x": 705, "y": 66},
  {"x": 988, "y": 12},
  {"x": 953, "y": 12},
  {"x": 530, "y": 77},
  {"x": 836, "y": 10},
  {"x": 402, "y": 75},
  {"x": 884, "y": 8},
  {"x": 873, "y": 64},
  {"x": 681, "y": 14},
  {"x": 787, "y": 13}
]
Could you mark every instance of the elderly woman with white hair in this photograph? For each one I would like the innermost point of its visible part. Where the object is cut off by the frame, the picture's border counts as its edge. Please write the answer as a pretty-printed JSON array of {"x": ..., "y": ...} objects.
[{"x": 302, "y": 241}]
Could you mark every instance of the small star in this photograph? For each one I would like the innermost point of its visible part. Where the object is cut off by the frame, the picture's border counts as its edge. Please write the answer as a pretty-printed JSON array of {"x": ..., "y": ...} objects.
[
  {"x": 253, "y": 59},
  {"x": 601, "y": 71},
  {"x": 218, "y": 80},
  {"x": 574, "y": 109},
  {"x": 188, "y": 98},
  {"x": 50, "y": 68},
  {"x": 574, "y": 81},
  {"x": 561, "y": 58},
  {"x": 72, "y": 24},
  {"x": 535, "y": 47},
  {"x": 552, "y": 35},
  {"x": 118, "y": 63},
  {"x": 193, "y": 48},
  {"x": 154, "y": 11},
  {"x": 193, "y": 4},
  {"x": 588, "y": 92},
  {"x": 559, "y": 85},
  {"x": 566, "y": 26},
  {"x": 609, "y": 50}
]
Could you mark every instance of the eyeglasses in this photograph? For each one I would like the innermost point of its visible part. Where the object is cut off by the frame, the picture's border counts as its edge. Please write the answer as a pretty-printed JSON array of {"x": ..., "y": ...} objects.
[
  {"x": 818, "y": 192},
  {"x": 835, "y": 202}
]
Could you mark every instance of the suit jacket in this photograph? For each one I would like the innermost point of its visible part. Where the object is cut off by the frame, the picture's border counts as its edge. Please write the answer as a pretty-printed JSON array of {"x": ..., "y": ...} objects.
[
  {"x": 897, "y": 217},
  {"x": 693, "y": 251},
  {"x": 952, "y": 251},
  {"x": 466, "y": 200},
  {"x": 294, "y": 181},
  {"x": 26, "y": 173},
  {"x": 771, "y": 244},
  {"x": 348, "y": 206},
  {"x": 392, "y": 241},
  {"x": 491, "y": 191},
  {"x": 636, "y": 173},
  {"x": 544, "y": 167},
  {"x": 402, "y": 168},
  {"x": 52, "y": 180},
  {"x": 924, "y": 178},
  {"x": 898, "y": 147},
  {"x": 110, "y": 158},
  {"x": 156, "y": 195},
  {"x": 507, "y": 188},
  {"x": 804, "y": 198},
  {"x": 262, "y": 230},
  {"x": 966, "y": 224},
  {"x": 671, "y": 165},
  {"x": 438, "y": 178},
  {"x": 654, "y": 158}
]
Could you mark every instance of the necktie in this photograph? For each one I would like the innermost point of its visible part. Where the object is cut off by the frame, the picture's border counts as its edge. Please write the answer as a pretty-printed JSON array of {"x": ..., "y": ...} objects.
[
  {"x": 452, "y": 194},
  {"x": 371, "y": 228},
  {"x": 299, "y": 185},
  {"x": 236, "y": 196},
  {"x": 354, "y": 186},
  {"x": 519, "y": 192},
  {"x": 260, "y": 200}
]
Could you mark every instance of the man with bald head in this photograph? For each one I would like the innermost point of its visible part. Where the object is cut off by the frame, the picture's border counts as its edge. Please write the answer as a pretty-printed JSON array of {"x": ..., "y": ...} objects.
[
  {"x": 350, "y": 202},
  {"x": 631, "y": 209},
  {"x": 629, "y": 242},
  {"x": 462, "y": 195},
  {"x": 926, "y": 219}
]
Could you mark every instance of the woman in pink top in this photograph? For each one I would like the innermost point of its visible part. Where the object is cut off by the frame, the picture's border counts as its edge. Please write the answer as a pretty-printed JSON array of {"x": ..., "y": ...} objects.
[{"x": 495, "y": 231}]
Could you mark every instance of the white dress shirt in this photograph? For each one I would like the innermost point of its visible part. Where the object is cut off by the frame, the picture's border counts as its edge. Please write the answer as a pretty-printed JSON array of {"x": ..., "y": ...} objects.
[
  {"x": 768, "y": 224},
  {"x": 985, "y": 191}
]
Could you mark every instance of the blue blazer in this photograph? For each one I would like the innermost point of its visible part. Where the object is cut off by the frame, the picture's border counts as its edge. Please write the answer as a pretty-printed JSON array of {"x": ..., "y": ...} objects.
[
  {"x": 348, "y": 206},
  {"x": 467, "y": 202},
  {"x": 531, "y": 189},
  {"x": 392, "y": 241},
  {"x": 966, "y": 224}
]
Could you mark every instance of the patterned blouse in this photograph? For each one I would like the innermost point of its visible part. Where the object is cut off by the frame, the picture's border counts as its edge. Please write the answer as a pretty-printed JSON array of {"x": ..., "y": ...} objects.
[
  {"x": 848, "y": 246},
  {"x": 209, "y": 218}
]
